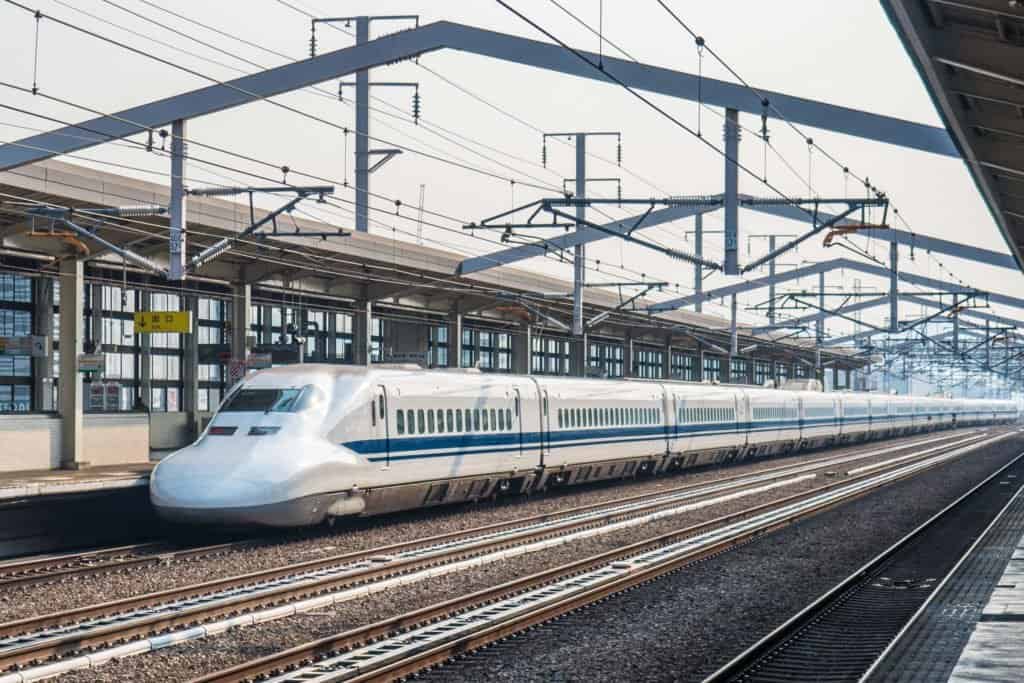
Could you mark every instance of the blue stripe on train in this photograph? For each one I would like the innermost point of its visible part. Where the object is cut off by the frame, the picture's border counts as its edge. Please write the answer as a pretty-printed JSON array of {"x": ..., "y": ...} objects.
[{"x": 504, "y": 442}]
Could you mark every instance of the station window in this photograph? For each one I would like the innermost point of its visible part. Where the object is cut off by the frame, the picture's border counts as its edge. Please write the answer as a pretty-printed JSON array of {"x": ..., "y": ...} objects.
[
  {"x": 712, "y": 368},
  {"x": 684, "y": 366},
  {"x": 648, "y": 363},
  {"x": 549, "y": 356},
  {"x": 605, "y": 358}
]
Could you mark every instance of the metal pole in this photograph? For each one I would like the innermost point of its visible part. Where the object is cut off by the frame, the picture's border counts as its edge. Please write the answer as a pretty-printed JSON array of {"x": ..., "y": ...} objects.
[
  {"x": 894, "y": 256},
  {"x": 771, "y": 285},
  {"x": 362, "y": 134},
  {"x": 698, "y": 273},
  {"x": 732, "y": 150},
  {"x": 580, "y": 252},
  {"x": 819, "y": 329},
  {"x": 734, "y": 346},
  {"x": 179, "y": 202},
  {"x": 988, "y": 347}
]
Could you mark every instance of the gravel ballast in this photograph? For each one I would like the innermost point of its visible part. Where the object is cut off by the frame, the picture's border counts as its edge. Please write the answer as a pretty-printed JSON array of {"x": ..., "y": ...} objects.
[
  {"x": 686, "y": 625},
  {"x": 206, "y": 655},
  {"x": 364, "y": 534}
]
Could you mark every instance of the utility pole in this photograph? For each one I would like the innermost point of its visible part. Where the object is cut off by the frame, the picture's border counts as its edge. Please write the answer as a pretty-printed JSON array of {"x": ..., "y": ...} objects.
[
  {"x": 732, "y": 153},
  {"x": 698, "y": 273}
]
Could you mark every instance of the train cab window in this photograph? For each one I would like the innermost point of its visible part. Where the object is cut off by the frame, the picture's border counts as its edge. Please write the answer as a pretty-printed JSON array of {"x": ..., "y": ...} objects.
[
  {"x": 421, "y": 422},
  {"x": 494, "y": 422},
  {"x": 262, "y": 401},
  {"x": 400, "y": 421},
  {"x": 508, "y": 418},
  {"x": 430, "y": 421},
  {"x": 450, "y": 419}
]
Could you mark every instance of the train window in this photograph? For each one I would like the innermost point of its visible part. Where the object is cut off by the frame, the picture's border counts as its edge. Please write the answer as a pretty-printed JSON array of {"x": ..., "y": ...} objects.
[
  {"x": 400, "y": 421},
  {"x": 485, "y": 423},
  {"x": 430, "y": 421},
  {"x": 469, "y": 421},
  {"x": 373, "y": 414},
  {"x": 501, "y": 420},
  {"x": 312, "y": 397},
  {"x": 450, "y": 419},
  {"x": 508, "y": 418},
  {"x": 494, "y": 423},
  {"x": 440, "y": 421},
  {"x": 410, "y": 418},
  {"x": 380, "y": 410},
  {"x": 458, "y": 420},
  {"x": 517, "y": 405},
  {"x": 262, "y": 401},
  {"x": 476, "y": 419},
  {"x": 559, "y": 418},
  {"x": 421, "y": 422}
]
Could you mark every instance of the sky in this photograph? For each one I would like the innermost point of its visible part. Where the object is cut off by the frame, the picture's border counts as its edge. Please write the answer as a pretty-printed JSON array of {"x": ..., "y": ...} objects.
[{"x": 489, "y": 115}]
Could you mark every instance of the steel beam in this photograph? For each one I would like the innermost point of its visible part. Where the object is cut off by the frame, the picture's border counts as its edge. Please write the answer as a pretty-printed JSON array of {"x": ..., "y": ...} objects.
[
  {"x": 584, "y": 236},
  {"x": 438, "y": 35},
  {"x": 902, "y": 237}
]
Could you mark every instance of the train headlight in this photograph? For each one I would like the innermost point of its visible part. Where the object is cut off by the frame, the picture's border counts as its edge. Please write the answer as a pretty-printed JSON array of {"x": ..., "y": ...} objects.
[{"x": 263, "y": 430}]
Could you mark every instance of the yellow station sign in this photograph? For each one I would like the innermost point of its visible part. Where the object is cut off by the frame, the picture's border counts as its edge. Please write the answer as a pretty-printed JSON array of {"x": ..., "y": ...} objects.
[{"x": 163, "y": 321}]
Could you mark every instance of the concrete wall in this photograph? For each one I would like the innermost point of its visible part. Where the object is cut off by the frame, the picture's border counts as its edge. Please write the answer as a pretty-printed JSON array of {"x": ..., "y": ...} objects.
[
  {"x": 116, "y": 438},
  {"x": 169, "y": 430},
  {"x": 32, "y": 442}
]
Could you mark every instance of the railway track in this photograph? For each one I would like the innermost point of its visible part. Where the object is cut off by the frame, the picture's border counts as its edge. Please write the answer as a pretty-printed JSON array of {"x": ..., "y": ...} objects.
[
  {"x": 842, "y": 635},
  {"x": 70, "y": 566},
  {"x": 412, "y": 642},
  {"x": 282, "y": 591},
  {"x": 34, "y": 570}
]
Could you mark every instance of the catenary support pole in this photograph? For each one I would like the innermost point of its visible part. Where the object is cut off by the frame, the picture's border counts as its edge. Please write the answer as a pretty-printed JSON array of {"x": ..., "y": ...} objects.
[
  {"x": 362, "y": 133},
  {"x": 178, "y": 209},
  {"x": 579, "y": 260},
  {"x": 698, "y": 273},
  {"x": 732, "y": 150},
  {"x": 771, "y": 286}
]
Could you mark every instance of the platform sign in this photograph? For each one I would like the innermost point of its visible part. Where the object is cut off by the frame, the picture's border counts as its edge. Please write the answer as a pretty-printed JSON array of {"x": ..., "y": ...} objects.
[
  {"x": 28, "y": 345},
  {"x": 104, "y": 396},
  {"x": 147, "y": 322},
  {"x": 92, "y": 362}
]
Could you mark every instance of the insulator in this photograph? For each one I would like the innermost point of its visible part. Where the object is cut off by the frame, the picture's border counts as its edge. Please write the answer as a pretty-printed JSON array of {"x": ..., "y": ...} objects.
[
  {"x": 619, "y": 193},
  {"x": 312, "y": 42},
  {"x": 416, "y": 106},
  {"x": 544, "y": 153},
  {"x": 138, "y": 211},
  {"x": 149, "y": 141},
  {"x": 618, "y": 154}
]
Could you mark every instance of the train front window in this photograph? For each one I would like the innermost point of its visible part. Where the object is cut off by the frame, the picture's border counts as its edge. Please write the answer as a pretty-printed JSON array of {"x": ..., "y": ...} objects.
[{"x": 262, "y": 400}]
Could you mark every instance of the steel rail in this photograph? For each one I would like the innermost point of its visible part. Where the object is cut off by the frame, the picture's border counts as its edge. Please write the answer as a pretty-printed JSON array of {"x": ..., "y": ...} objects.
[
  {"x": 748, "y": 659},
  {"x": 317, "y": 650},
  {"x": 58, "y": 634}
]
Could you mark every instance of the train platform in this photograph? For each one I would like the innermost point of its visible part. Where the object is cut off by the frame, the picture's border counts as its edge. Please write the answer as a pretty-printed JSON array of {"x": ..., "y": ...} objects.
[
  {"x": 31, "y": 483},
  {"x": 972, "y": 629}
]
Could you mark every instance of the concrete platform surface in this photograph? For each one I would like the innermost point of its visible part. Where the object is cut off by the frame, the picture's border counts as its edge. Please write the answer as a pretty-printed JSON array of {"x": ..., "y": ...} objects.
[
  {"x": 29, "y": 483},
  {"x": 995, "y": 651}
]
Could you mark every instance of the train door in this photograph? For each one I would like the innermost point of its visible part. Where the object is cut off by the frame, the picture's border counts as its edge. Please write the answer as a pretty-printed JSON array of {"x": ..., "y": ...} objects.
[
  {"x": 545, "y": 426},
  {"x": 517, "y": 416},
  {"x": 379, "y": 413}
]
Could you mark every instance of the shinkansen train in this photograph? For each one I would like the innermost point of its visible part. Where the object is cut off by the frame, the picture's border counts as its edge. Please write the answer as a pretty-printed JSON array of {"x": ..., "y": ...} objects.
[{"x": 301, "y": 444}]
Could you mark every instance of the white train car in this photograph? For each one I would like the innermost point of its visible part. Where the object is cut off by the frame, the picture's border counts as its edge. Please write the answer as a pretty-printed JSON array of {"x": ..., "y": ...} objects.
[{"x": 300, "y": 444}]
